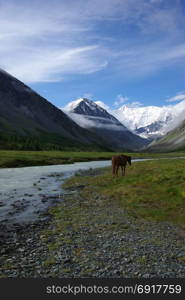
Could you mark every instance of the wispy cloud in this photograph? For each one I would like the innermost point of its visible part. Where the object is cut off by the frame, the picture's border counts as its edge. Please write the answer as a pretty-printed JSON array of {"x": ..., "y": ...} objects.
[
  {"x": 95, "y": 122},
  {"x": 54, "y": 40},
  {"x": 120, "y": 100},
  {"x": 54, "y": 64},
  {"x": 178, "y": 97},
  {"x": 46, "y": 44},
  {"x": 142, "y": 60},
  {"x": 88, "y": 96}
]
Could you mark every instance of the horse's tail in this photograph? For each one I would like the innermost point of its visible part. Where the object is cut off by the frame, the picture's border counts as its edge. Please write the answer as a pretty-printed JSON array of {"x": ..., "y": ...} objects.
[{"x": 129, "y": 160}]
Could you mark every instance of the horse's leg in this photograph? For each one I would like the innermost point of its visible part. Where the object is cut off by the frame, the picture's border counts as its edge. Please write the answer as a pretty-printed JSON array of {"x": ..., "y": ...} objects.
[
  {"x": 122, "y": 170},
  {"x": 117, "y": 167},
  {"x": 113, "y": 168}
]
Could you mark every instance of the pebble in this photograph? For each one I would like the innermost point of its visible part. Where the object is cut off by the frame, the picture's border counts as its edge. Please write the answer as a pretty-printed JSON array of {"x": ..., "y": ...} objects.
[{"x": 139, "y": 250}]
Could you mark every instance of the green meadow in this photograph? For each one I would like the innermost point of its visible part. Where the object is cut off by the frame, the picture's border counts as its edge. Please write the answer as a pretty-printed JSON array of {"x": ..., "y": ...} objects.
[
  {"x": 100, "y": 205},
  {"x": 153, "y": 190},
  {"x": 13, "y": 158}
]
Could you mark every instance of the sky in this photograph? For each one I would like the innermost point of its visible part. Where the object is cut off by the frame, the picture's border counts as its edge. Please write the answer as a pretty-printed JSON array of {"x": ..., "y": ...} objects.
[{"x": 116, "y": 51}]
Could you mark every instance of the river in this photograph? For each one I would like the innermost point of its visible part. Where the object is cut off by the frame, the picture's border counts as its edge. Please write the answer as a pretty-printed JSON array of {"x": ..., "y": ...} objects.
[{"x": 26, "y": 193}]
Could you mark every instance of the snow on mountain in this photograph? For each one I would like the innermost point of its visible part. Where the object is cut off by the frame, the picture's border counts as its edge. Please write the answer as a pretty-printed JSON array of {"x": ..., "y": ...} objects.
[
  {"x": 178, "y": 115},
  {"x": 103, "y": 105},
  {"x": 71, "y": 106},
  {"x": 174, "y": 140},
  {"x": 138, "y": 117},
  {"x": 94, "y": 117},
  {"x": 89, "y": 114},
  {"x": 150, "y": 121}
]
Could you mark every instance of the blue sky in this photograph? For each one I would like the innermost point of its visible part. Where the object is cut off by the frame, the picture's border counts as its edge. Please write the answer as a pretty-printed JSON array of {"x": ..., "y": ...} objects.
[{"x": 116, "y": 51}]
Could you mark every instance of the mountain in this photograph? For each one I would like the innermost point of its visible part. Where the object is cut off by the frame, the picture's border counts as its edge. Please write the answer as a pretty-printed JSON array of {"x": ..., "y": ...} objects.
[
  {"x": 149, "y": 122},
  {"x": 29, "y": 121},
  {"x": 174, "y": 140},
  {"x": 154, "y": 130},
  {"x": 89, "y": 114}
]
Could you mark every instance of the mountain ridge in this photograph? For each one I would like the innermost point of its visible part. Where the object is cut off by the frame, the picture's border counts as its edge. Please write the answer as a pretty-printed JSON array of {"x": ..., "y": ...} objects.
[
  {"x": 149, "y": 121},
  {"x": 90, "y": 115},
  {"x": 27, "y": 115}
]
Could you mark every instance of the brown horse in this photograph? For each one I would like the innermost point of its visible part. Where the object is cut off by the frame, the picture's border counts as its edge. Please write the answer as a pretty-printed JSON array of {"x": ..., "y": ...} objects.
[{"x": 120, "y": 161}]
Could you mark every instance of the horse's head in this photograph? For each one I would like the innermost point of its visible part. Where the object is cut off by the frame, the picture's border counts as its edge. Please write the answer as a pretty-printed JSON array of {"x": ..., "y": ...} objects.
[{"x": 129, "y": 160}]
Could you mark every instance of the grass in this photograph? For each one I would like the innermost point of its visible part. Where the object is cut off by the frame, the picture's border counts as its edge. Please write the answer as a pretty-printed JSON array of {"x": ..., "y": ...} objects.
[
  {"x": 150, "y": 191},
  {"x": 153, "y": 190},
  {"x": 12, "y": 158}
]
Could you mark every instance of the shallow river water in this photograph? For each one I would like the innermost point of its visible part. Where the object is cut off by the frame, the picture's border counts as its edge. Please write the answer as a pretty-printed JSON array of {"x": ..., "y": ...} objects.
[{"x": 27, "y": 192}]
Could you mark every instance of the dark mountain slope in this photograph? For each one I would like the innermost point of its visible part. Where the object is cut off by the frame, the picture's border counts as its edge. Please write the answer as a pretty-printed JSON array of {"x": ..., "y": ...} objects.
[{"x": 25, "y": 115}]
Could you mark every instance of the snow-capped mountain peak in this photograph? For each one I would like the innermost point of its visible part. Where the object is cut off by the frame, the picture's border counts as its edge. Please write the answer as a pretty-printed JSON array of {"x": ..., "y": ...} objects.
[
  {"x": 72, "y": 105},
  {"x": 151, "y": 121},
  {"x": 136, "y": 117},
  {"x": 83, "y": 103},
  {"x": 88, "y": 107},
  {"x": 145, "y": 121},
  {"x": 95, "y": 118}
]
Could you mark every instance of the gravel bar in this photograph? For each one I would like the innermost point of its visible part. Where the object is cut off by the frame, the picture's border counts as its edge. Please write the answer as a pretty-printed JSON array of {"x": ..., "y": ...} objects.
[{"x": 92, "y": 238}]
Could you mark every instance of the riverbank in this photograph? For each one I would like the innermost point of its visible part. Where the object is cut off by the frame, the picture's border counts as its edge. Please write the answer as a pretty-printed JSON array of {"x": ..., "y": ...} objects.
[
  {"x": 92, "y": 233},
  {"x": 24, "y": 203},
  {"x": 13, "y": 159}
]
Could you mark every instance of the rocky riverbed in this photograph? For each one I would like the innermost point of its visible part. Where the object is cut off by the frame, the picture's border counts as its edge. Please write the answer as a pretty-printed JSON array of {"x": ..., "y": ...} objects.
[
  {"x": 26, "y": 193},
  {"x": 88, "y": 235}
]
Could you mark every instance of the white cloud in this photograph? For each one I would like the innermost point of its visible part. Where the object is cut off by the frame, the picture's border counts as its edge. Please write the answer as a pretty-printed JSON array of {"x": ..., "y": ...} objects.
[
  {"x": 142, "y": 60},
  {"x": 178, "y": 97},
  {"x": 94, "y": 122},
  {"x": 124, "y": 100},
  {"x": 120, "y": 100},
  {"x": 103, "y": 105},
  {"x": 46, "y": 44},
  {"x": 53, "y": 40},
  {"x": 87, "y": 96},
  {"x": 53, "y": 64},
  {"x": 134, "y": 104}
]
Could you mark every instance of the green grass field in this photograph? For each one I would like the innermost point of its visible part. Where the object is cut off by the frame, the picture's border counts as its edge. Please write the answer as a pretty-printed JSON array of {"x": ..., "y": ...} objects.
[
  {"x": 154, "y": 190},
  {"x": 12, "y": 158}
]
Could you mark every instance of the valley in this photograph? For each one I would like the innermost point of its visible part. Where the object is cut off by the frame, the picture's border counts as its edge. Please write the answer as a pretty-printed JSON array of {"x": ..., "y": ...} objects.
[
  {"x": 61, "y": 216},
  {"x": 30, "y": 122},
  {"x": 15, "y": 159},
  {"x": 92, "y": 148}
]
